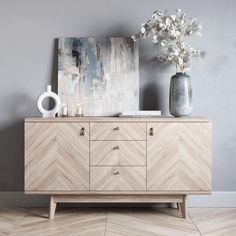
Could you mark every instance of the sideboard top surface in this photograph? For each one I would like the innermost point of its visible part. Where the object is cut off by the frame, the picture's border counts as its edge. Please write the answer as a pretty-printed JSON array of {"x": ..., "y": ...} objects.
[{"x": 117, "y": 119}]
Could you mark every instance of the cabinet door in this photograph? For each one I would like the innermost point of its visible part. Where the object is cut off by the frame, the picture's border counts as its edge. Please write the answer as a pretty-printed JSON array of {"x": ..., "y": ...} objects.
[
  {"x": 179, "y": 156},
  {"x": 56, "y": 156}
]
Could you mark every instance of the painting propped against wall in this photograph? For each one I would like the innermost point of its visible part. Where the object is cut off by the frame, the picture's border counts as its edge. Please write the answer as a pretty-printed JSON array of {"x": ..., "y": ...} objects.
[{"x": 102, "y": 74}]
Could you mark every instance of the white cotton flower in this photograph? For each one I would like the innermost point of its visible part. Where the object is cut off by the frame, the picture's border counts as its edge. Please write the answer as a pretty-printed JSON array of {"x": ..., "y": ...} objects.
[
  {"x": 160, "y": 12},
  {"x": 134, "y": 37},
  {"x": 183, "y": 16},
  {"x": 143, "y": 30},
  {"x": 178, "y": 33},
  {"x": 182, "y": 45},
  {"x": 163, "y": 43},
  {"x": 168, "y": 21},
  {"x": 173, "y": 17},
  {"x": 154, "y": 30},
  {"x": 178, "y": 11},
  {"x": 170, "y": 31},
  {"x": 155, "y": 39},
  {"x": 155, "y": 16},
  {"x": 176, "y": 53},
  {"x": 162, "y": 26}
]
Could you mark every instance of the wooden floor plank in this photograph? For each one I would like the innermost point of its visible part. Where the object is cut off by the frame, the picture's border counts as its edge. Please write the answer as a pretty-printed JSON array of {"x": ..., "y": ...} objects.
[
  {"x": 10, "y": 218},
  {"x": 70, "y": 222},
  {"x": 148, "y": 221},
  {"x": 118, "y": 221},
  {"x": 214, "y": 221}
]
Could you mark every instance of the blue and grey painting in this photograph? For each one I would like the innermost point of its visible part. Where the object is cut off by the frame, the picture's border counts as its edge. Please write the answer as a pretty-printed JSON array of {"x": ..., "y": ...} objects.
[{"x": 101, "y": 74}]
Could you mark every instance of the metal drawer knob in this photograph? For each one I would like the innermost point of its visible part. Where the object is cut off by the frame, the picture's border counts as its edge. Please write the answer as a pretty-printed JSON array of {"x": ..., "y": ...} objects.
[
  {"x": 116, "y": 171},
  {"x": 116, "y": 128},
  {"x": 116, "y": 147},
  {"x": 53, "y": 140},
  {"x": 151, "y": 131},
  {"x": 82, "y": 130}
]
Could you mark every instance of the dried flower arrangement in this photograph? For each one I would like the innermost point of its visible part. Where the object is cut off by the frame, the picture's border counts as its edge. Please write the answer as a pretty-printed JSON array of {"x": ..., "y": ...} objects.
[{"x": 170, "y": 32}]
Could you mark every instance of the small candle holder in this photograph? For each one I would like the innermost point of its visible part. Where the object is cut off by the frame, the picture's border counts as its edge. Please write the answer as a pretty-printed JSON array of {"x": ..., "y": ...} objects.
[
  {"x": 79, "y": 110},
  {"x": 64, "y": 112}
]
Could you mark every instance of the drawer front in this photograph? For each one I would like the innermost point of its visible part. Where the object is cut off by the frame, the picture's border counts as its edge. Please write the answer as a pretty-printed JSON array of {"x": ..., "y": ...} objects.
[
  {"x": 124, "y": 178},
  {"x": 118, "y": 131},
  {"x": 118, "y": 153}
]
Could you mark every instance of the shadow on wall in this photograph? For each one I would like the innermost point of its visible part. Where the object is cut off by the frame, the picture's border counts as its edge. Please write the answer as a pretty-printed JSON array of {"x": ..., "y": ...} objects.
[
  {"x": 12, "y": 135},
  {"x": 154, "y": 86},
  {"x": 151, "y": 97},
  {"x": 12, "y": 143},
  {"x": 54, "y": 82},
  {"x": 12, "y": 161}
]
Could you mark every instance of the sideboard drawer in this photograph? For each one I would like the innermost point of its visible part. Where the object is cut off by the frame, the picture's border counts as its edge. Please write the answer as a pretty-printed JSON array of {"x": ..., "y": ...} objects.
[
  {"x": 110, "y": 178},
  {"x": 118, "y": 153},
  {"x": 117, "y": 131}
]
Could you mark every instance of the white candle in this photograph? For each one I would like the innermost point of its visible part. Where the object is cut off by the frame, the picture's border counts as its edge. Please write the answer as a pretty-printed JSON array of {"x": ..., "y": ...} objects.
[
  {"x": 64, "y": 110},
  {"x": 79, "y": 109}
]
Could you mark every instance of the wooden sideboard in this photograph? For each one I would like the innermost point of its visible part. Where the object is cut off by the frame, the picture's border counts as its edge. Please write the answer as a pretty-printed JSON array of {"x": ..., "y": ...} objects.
[{"x": 123, "y": 160}]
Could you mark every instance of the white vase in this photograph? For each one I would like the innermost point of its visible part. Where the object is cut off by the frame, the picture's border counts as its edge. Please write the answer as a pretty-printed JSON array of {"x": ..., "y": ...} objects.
[{"x": 48, "y": 94}]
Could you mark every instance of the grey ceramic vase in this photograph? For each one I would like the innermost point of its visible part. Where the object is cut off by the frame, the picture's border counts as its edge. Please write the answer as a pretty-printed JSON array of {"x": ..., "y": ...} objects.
[{"x": 180, "y": 97}]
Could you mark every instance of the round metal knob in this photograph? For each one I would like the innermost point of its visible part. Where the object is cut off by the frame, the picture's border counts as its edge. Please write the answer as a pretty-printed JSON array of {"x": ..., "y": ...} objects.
[
  {"x": 151, "y": 131},
  {"x": 116, "y": 147},
  {"x": 116, "y": 128},
  {"x": 116, "y": 171},
  {"x": 82, "y": 130},
  {"x": 53, "y": 140}
]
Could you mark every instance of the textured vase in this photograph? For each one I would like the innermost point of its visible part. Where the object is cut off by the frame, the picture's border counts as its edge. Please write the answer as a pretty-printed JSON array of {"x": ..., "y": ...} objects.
[{"x": 180, "y": 97}]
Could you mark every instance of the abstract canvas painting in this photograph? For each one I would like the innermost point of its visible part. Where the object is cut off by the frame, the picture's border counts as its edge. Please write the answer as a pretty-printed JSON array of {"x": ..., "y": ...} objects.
[{"x": 102, "y": 74}]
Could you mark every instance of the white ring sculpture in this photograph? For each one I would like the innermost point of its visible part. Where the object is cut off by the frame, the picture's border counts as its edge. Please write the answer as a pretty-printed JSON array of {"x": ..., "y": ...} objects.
[{"x": 50, "y": 94}]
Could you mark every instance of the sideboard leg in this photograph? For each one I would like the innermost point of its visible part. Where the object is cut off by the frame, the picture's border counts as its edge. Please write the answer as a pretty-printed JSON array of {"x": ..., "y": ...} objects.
[
  {"x": 178, "y": 206},
  {"x": 183, "y": 207},
  {"x": 52, "y": 208}
]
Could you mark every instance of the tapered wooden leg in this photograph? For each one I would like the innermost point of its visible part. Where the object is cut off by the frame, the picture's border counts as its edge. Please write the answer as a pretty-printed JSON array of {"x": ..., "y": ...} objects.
[
  {"x": 178, "y": 207},
  {"x": 52, "y": 208},
  {"x": 183, "y": 207}
]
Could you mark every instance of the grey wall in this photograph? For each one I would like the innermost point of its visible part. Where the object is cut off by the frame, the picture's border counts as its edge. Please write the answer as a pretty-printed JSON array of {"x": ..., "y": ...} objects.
[{"x": 27, "y": 64}]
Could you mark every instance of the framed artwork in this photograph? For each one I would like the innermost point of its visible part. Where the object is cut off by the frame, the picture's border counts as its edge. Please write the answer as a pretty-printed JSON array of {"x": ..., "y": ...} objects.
[{"x": 99, "y": 74}]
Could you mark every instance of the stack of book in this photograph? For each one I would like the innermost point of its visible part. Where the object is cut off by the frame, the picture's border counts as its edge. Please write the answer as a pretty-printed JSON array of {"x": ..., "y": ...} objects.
[{"x": 140, "y": 114}]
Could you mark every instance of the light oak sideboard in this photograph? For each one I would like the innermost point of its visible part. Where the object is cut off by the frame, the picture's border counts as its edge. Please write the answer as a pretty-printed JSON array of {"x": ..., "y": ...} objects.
[{"x": 118, "y": 160}]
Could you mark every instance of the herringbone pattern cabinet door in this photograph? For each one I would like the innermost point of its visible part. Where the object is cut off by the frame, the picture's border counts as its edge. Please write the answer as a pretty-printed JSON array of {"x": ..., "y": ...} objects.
[
  {"x": 179, "y": 156},
  {"x": 56, "y": 156}
]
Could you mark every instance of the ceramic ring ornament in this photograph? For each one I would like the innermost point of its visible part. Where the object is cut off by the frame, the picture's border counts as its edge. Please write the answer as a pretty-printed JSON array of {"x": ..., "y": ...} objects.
[{"x": 48, "y": 94}]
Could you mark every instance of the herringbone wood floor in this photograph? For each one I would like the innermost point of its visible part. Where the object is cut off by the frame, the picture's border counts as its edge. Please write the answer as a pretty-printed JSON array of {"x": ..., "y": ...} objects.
[{"x": 117, "y": 221}]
